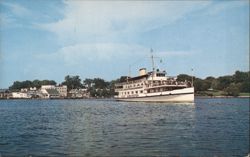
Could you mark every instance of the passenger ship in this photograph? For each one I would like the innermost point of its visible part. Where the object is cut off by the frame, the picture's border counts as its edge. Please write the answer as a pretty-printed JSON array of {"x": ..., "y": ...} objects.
[{"x": 154, "y": 86}]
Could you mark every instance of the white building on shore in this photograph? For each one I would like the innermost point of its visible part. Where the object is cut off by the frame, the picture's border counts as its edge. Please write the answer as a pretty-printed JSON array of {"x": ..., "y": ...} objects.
[
  {"x": 54, "y": 91},
  {"x": 21, "y": 95},
  {"x": 62, "y": 90},
  {"x": 79, "y": 93}
]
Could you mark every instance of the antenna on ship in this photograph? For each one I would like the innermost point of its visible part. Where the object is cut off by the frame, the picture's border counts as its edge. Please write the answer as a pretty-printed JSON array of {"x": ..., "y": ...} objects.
[
  {"x": 192, "y": 77},
  {"x": 152, "y": 58},
  {"x": 153, "y": 63},
  {"x": 129, "y": 72}
]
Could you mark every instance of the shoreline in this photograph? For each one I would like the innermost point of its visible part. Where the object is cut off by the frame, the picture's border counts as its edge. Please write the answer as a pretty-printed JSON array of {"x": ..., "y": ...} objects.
[
  {"x": 222, "y": 96},
  {"x": 200, "y": 97}
]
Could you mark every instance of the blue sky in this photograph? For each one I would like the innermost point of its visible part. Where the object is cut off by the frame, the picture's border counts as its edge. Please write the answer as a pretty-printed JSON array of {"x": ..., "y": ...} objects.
[{"x": 45, "y": 39}]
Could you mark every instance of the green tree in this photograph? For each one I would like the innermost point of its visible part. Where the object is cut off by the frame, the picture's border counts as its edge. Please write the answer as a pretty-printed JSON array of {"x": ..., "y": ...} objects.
[
  {"x": 183, "y": 77},
  {"x": 100, "y": 83},
  {"x": 245, "y": 87},
  {"x": 72, "y": 82},
  {"x": 241, "y": 76},
  {"x": 36, "y": 83},
  {"x": 198, "y": 84},
  {"x": 206, "y": 84},
  {"x": 232, "y": 90},
  {"x": 112, "y": 87},
  {"x": 27, "y": 84},
  {"x": 47, "y": 82},
  {"x": 224, "y": 82},
  {"x": 123, "y": 79},
  {"x": 87, "y": 82},
  {"x": 209, "y": 80},
  {"x": 99, "y": 87},
  {"x": 17, "y": 85},
  {"x": 214, "y": 84}
]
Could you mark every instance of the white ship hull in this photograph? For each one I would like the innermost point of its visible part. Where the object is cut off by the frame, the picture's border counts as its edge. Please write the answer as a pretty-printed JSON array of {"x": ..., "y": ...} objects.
[{"x": 183, "y": 95}]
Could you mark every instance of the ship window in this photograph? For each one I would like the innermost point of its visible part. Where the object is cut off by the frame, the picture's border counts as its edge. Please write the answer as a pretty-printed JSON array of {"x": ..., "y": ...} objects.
[
  {"x": 141, "y": 91},
  {"x": 136, "y": 92},
  {"x": 142, "y": 84},
  {"x": 160, "y": 75},
  {"x": 128, "y": 92},
  {"x": 132, "y": 92}
]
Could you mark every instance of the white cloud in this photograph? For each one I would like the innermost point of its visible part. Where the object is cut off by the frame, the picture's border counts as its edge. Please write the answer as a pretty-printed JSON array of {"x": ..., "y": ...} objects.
[
  {"x": 88, "y": 53},
  {"x": 224, "y": 5},
  {"x": 17, "y": 9},
  {"x": 5, "y": 20},
  {"x": 108, "y": 21},
  {"x": 101, "y": 30},
  {"x": 175, "y": 53},
  {"x": 101, "y": 52},
  {"x": 83, "y": 19},
  {"x": 14, "y": 15}
]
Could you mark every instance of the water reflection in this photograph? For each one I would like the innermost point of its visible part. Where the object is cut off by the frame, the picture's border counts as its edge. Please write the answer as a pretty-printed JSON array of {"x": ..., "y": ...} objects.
[
  {"x": 109, "y": 128},
  {"x": 121, "y": 128},
  {"x": 220, "y": 127}
]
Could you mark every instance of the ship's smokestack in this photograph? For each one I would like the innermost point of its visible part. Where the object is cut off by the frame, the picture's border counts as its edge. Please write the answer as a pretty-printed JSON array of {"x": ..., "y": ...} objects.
[{"x": 142, "y": 71}]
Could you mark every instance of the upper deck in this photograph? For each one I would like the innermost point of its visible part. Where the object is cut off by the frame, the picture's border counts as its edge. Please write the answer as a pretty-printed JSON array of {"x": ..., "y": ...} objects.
[
  {"x": 150, "y": 80},
  {"x": 153, "y": 75}
]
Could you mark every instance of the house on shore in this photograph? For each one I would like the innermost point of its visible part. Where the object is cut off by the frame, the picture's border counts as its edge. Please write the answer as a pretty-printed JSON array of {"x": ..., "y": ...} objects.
[
  {"x": 4, "y": 93},
  {"x": 52, "y": 91},
  {"x": 78, "y": 93},
  {"x": 20, "y": 95}
]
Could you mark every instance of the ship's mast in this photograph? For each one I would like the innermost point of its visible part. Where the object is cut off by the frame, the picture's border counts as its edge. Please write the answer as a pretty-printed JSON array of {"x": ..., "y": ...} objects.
[
  {"x": 152, "y": 59},
  {"x": 153, "y": 63},
  {"x": 129, "y": 71},
  {"x": 192, "y": 77}
]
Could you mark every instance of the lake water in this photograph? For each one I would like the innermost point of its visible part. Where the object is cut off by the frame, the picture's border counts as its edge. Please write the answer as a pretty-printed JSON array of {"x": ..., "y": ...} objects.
[{"x": 208, "y": 127}]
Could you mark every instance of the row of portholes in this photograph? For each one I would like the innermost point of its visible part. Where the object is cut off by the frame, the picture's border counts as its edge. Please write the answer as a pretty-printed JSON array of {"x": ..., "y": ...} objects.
[
  {"x": 132, "y": 92},
  {"x": 138, "y": 85}
]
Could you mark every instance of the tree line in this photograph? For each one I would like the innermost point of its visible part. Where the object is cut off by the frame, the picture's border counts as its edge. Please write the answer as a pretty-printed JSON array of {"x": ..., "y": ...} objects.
[
  {"x": 17, "y": 85},
  {"x": 229, "y": 85},
  {"x": 97, "y": 87}
]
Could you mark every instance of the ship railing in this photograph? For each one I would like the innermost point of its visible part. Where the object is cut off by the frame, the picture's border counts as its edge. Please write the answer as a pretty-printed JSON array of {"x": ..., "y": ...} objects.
[
  {"x": 167, "y": 83},
  {"x": 150, "y": 86},
  {"x": 128, "y": 82},
  {"x": 129, "y": 88},
  {"x": 118, "y": 89}
]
